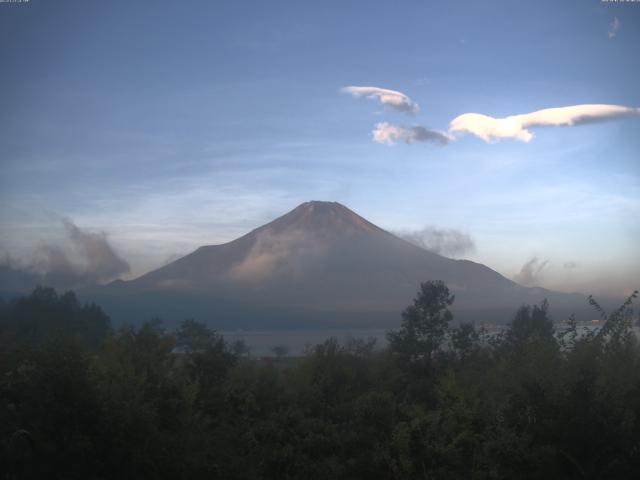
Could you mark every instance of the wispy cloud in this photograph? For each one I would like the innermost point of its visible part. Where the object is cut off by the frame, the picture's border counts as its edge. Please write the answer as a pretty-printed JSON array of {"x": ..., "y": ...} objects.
[
  {"x": 100, "y": 260},
  {"x": 389, "y": 98},
  {"x": 448, "y": 242},
  {"x": 614, "y": 26},
  {"x": 517, "y": 126},
  {"x": 86, "y": 258},
  {"x": 278, "y": 254},
  {"x": 389, "y": 134},
  {"x": 529, "y": 274},
  {"x": 78, "y": 259}
]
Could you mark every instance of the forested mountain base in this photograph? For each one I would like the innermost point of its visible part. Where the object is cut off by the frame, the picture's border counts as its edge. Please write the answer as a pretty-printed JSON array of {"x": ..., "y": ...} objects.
[{"x": 80, "y": 401}]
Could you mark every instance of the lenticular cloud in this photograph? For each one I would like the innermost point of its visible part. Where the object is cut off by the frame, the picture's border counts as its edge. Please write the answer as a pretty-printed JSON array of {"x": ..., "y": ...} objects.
[
  {"x": 389, "y": 98},
  {"x": 517, "y": 126},
  {"x": 489, "y": 129},
  {"x": 389, "y": 134}
]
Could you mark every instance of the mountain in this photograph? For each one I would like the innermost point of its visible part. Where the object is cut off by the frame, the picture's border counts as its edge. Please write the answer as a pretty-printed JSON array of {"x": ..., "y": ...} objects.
[
  {"x": 320, "y": 264},
  {"x": 15, "y": 281}
]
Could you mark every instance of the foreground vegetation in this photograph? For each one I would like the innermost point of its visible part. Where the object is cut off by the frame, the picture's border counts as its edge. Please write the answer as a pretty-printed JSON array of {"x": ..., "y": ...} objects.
[{"x": 79, "y": 400}]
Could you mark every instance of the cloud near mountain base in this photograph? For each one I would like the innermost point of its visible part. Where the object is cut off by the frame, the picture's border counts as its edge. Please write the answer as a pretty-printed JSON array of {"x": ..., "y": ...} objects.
[
  {"x": 448, "y": 242},
  {"x": 529, "y": 274},
  {"x": 82, "y": 258}
]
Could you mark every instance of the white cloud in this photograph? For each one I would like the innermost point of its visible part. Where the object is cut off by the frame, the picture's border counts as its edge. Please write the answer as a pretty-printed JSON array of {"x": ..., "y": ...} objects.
[
  {"x": 273, "y": 253},
  {"x": 389, "y": 134},
  {"x": 447, "y": 242},
  {"x": 517, "y": 126},
  {"x": 390, "y": 98},
  {"x": 613, "y": 27}
]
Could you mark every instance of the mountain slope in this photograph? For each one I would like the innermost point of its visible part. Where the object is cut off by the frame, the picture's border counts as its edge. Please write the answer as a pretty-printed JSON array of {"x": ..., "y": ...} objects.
[{"x": 320, "y": 261}]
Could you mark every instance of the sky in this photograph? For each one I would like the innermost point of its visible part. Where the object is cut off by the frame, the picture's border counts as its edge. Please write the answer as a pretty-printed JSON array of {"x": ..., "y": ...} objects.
[{"x": 163, "y": 126}]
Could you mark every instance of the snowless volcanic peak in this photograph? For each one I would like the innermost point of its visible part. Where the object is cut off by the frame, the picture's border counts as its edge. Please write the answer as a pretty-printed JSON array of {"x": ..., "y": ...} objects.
[
  {"x": 319, "y": 257},
  {"x": 323, "y": 218}
]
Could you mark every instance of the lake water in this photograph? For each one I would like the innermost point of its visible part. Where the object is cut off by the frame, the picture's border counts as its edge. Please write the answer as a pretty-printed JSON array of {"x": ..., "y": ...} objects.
[{"x": 262, "y": 342}]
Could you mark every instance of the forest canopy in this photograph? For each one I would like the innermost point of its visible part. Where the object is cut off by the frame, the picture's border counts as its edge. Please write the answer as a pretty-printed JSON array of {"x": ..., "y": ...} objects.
[{"x": 81, "y": 399}]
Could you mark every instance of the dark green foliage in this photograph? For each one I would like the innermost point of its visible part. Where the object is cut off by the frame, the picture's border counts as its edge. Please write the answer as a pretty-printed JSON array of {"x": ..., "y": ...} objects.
[
  {"x": 37, "y": 318},
  {"x": 424, "y": 324},
  {"x": 464, "y": 339},
  {"x": 530, "y": 324},
  {"x": 207, "y": 358},
  {"x": 149, "y": 403},
  {"x": 193, "y": 336}
]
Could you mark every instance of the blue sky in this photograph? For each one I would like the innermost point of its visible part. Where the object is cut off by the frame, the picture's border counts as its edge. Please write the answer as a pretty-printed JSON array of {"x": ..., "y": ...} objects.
[{"x": 170, "y": 125}]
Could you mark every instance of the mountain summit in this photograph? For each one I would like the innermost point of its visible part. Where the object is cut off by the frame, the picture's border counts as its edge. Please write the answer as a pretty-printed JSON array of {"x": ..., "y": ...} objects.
[
  {"x": 324, "y": 218},
  {"x": 320, "y": 261}
]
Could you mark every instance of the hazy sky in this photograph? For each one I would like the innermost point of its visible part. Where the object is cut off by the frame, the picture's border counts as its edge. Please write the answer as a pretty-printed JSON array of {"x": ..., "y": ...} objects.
[{"x": 169, "y": 125}]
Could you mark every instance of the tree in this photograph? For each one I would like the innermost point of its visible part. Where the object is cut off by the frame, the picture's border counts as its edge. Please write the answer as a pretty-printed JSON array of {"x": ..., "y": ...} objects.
[
  {"x": 280, "y": 351},
  {"x": 240, "y": 348},
  {"x": 194, "y": 336},
  {"x": 207, "y": 358},
  {"x": 424, "y": 324},
  {"x": 34, "y": 319},
  {"x": 530, "y": 323},
  {"x": 464, "y": 338}
]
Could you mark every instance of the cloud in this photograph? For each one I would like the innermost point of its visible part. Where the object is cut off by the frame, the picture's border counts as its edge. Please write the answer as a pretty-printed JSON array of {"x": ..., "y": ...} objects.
[
  {"x": 100, "y": 259},
  {"x": 389, "y": 134},
  {"x": 487, "y": 128},
  {"x": 614, "y": 26},
  {"x": 272, "y": 254},
  {"x": 447, "y": 242},
  {"x": 530, "y": 272},
  {"x": 58, "y": 270},
  {"x": 390, "y": 98},
  {"x": 516, "y": 126},
  {"x": 88, "y": 258},
  {"x": 84, "y": 258}
]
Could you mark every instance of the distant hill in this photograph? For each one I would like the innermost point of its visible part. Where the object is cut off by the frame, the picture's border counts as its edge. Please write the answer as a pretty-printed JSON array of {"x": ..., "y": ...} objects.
[
  {"x": 15, "y": 281},
  {"x": 320, "y": 264}
]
